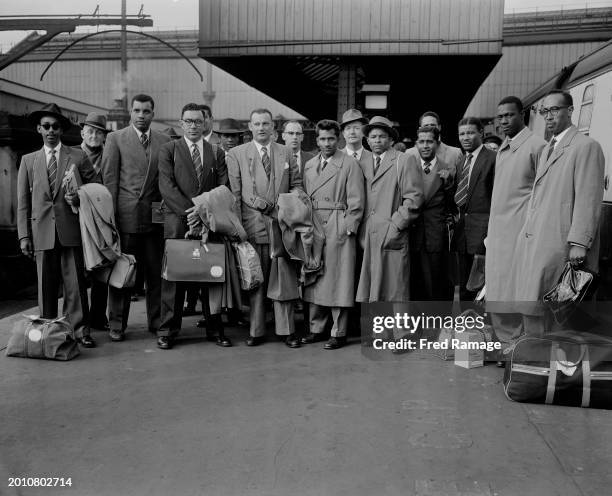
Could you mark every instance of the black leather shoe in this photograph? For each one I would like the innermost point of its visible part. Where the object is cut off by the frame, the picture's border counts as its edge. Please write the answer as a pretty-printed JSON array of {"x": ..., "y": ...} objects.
[
  {"x": 334, "y": 343},
  {"x": 116, "y": 335},
  {"x": 311, "y": 337},
  {"x": 255, "y": 340},
  {"x": 293, "y": 341},
  {"x": 87, "y": 342},
  {"x": 202, "y": 322},
  {"x": 223, "y": 340},
  {"x": 164, "y": 343}
]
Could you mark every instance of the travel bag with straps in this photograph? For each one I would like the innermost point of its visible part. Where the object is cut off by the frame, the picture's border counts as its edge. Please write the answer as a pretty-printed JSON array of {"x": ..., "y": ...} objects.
[{"x": 34, "y": 337}]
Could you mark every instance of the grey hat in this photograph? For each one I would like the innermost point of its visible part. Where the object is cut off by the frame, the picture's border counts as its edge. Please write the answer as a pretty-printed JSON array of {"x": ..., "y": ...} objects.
[
  {"x": 352, "y": 115},
  {"x": 96, "y": 120},
  {"x": 381, "y": 122}
]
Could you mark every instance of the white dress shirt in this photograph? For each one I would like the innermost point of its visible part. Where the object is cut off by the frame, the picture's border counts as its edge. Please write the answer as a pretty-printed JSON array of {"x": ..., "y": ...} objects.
[
  {"x": 139, "y": 133},
  {"x": 350, "y": 152}
]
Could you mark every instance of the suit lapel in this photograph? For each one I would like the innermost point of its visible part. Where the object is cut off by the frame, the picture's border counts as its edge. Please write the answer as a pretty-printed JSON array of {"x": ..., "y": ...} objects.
[
  {"x": 278, "y": 165},
  {"x": 476, "y": 170},
  {"x": 135, "y": 144},
  {"x": 386, "y": 164},
  {"x": 185, "y": 161},
  {"x": 62, "y": 167},
  {"x": 367, "y": 163},
  {"x": 334, "y": 164},
  {"x": 207, "y": 164},
  {"x": 432, "y": 184},
  {"x": 544, "y": 164},
  {"x": 40, "y": 169}
]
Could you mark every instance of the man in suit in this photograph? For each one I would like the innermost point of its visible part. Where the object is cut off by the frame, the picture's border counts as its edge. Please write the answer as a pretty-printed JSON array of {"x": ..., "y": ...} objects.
[
  {"x": 429, "y": 235},
  {"x": 562, "y": 219},
  {"x": 129, "y": 168},
  {"x": 259, "y": 171},
  {"x": 450, "y": 155},
  {"x": 93, "y": 132},
  {"x": 293, "y": 135},
  {"x": 473, "y": 199},
  {"x": 188, "y": 167},
  {"x": 352, "y": 130},
  {"x": 334, "y": 183},
  {"x": 230, "y": 134},
  {"x": 47, "y": 226},
  {"x": 515, "y": 170}
]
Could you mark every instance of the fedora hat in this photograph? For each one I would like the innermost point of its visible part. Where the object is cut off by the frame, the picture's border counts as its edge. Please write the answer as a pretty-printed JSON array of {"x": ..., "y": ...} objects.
[
  {"x": 96, "y": 120},
  {"x": 54, "y": 111},
  {"x": 352, "y": 115},
  {"x": 381, "y": 122},
  {"x": 229, "y": 126}
]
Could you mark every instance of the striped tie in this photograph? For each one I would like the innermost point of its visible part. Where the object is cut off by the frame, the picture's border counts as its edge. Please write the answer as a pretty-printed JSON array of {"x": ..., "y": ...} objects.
[
  {"x": 355, "y": 155},
  {"x": 197, "y": 161},
  {"x": 265, "y": 160},
  {"x": 551, "y": 148},
  {"x": 376, "y": 164},
  {"x": 144, "y": 140},
  {"x": 52, "y": 171},
  {"x": 462, "y": 189},
  {"x": 427, "y": 167},
  {"x": 322, "y": 167}
]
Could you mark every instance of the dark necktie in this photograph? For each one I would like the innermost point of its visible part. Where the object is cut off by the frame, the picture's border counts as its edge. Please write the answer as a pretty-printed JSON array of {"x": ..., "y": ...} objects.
[
  {"x": 427, "y": 167},
  {"x": 144, "y": 140},
  {"x": 462, "y": 189},
  {"x": 551, "y": 148},
  {"x": 265, "y": 160},
  {"x": 52, "y": 171},
  {"x": 376, "y": 164},
  {"x": 197, "y": 162},
  {"x": 322, "y": 167},
  {"x": 355, "y": 155}
]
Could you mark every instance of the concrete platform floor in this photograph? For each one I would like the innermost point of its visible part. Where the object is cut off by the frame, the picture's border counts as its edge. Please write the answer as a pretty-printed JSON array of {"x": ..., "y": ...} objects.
[{"x": 128, "y": 419}]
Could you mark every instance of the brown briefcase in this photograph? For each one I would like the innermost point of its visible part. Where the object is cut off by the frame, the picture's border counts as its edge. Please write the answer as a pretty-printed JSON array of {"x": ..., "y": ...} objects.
[{"x": 188, "y": 260}]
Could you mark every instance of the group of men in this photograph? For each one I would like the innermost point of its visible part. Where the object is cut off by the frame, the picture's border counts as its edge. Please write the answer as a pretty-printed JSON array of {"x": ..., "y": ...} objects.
[{"x": 392, "y": 224}]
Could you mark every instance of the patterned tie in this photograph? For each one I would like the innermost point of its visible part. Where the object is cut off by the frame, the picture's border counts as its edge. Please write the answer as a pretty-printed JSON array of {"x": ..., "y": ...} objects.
[
  {"x": 265, "y": 160},
  {"x": 551, "y": 148},
  {"x": 427, "y": 167},
  {"x": 144, "y": 140},
  {"x": 355, "y": 155},
  {"x": 376, "y": 164},
  {"x": 321, "y": 167},
  {"x": 462, "y": 189},
  {"x": 52, "y": 171},
  {"x": 197, "y": 161}
]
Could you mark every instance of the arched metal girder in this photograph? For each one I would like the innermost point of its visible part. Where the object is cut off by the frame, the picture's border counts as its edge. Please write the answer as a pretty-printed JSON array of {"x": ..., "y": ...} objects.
[{"x": 119, "y": 30}]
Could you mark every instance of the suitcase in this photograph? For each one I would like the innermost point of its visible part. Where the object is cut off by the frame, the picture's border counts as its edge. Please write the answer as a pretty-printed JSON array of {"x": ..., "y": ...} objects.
[
  {"x": 189, "y": 260},
  {"x": 563, "y": 368}
]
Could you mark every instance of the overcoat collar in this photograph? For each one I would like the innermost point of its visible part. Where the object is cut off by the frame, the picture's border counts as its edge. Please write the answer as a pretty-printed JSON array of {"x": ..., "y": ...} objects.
[
  {"x": 334, "y": 164},
  {"x": 389, "y": 161},
  {"x": 544, "y": 165}
]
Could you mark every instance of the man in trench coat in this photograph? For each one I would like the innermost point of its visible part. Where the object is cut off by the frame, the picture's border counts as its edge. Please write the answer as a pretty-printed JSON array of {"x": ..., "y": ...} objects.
[
  {"x": 562, "y": 221},
  {"x": 394, "y": 194},
  {"x": 515, "y": 170},
  {"x": 334, "y": 182}
]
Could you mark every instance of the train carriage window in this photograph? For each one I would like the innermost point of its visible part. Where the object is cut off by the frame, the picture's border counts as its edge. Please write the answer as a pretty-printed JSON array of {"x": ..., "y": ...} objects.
[{"x": 586, "y": 109}]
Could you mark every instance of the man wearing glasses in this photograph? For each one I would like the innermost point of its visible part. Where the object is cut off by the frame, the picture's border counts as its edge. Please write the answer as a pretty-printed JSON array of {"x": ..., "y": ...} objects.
[
  {"x": 188, "y": 167},
  {"x": 129, "y": 170},
  {"x": 293, "y": 135},
  {"x": 48, "y": 228},
  {"x": 562, "y": 221}
]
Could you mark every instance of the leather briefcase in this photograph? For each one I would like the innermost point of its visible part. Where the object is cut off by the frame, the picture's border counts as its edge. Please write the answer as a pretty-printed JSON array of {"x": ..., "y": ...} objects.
[
  {"x": 187, "y": 260},
  {"x": 122, "y": 274},
  {"x": 33, "y": 337},
  {"x": 563, "y": 368}
]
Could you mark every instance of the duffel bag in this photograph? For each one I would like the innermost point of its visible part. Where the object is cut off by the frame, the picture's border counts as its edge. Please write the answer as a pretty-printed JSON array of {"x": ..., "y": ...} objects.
[
  {"x": 34, "y": 337},
  {"x": 563, "y": 368},
  {"x": 191, "y": 260}
]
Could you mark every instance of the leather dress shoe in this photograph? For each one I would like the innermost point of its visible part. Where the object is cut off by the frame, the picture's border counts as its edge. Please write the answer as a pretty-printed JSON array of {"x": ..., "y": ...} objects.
[
  {"x": 116, "y": 335},
  {"x": 255, "y": 340},
  {"x": 293, "y": 341},
  {"x": 311, "y": 337},
  {"x": 164, "y": 342},
  {"x": 334, "y": 343},
  {"x": 223, "y": 340},
  {"x": 87, "y": 342}
]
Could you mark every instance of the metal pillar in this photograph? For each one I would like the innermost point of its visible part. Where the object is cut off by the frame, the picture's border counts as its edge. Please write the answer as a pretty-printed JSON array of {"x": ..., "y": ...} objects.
[{"x": 347, "y": 90}]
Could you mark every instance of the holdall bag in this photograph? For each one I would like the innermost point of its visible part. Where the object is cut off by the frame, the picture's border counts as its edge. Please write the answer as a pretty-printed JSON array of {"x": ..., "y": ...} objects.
[
  {"x": 563, "y": 368},
  {"x": 572, "y": 287},
  {"x": 33, "y": 337},
  {"x": 249, "y": 266},
  {"x": 190, "y": 260}
]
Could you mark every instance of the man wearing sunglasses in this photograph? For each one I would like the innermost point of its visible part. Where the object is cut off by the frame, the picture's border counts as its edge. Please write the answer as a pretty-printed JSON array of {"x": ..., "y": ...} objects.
[
  {"x": 562, "y": 221},
  {"x": 129, "y": 169},
  {"x": 47, "y": 226}
]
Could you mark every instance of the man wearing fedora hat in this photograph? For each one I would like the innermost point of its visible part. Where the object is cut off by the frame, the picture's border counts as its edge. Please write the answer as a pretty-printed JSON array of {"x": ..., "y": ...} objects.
[
  {"x": 394, "y": 194},
  {"x": 230, "y": 133},
  {"x": 48, "y": 228},
  {"x": 93, "y": 132},
  {"x": 352, "y": 129}
]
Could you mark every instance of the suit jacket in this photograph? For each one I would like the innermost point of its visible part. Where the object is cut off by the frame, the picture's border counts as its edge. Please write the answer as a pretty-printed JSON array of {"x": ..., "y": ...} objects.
[
  {"x": 564, "y": 208},
  {"x": 429, "y": 232},
  {"x": 178, "y": 181},
  {"x": 42, "y": 212},
  {"x": 132, "y": 177},
  {"x": 450, "y": 155},
  {"x": 304, "y": 157},
  {"x": 245, "y": 169},
  {"x": 471, "y": 229}
]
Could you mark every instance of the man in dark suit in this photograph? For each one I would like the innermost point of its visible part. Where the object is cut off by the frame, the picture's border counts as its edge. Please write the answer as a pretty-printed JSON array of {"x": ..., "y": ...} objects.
[
  {"x": 47, "y": 226},
  {"x": 473, "y": 199},
  {"x": 188, "y": 167},
  {"x": 293, "y": 135},
  {"x": 129, "y": 168},
  {"x": 93, "y": 132},
  {"x": 429, "y": 235}
]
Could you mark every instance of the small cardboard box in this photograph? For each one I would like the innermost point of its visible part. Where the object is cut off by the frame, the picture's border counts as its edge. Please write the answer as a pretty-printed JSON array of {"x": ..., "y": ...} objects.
[{"x": 464, "y": 357}]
